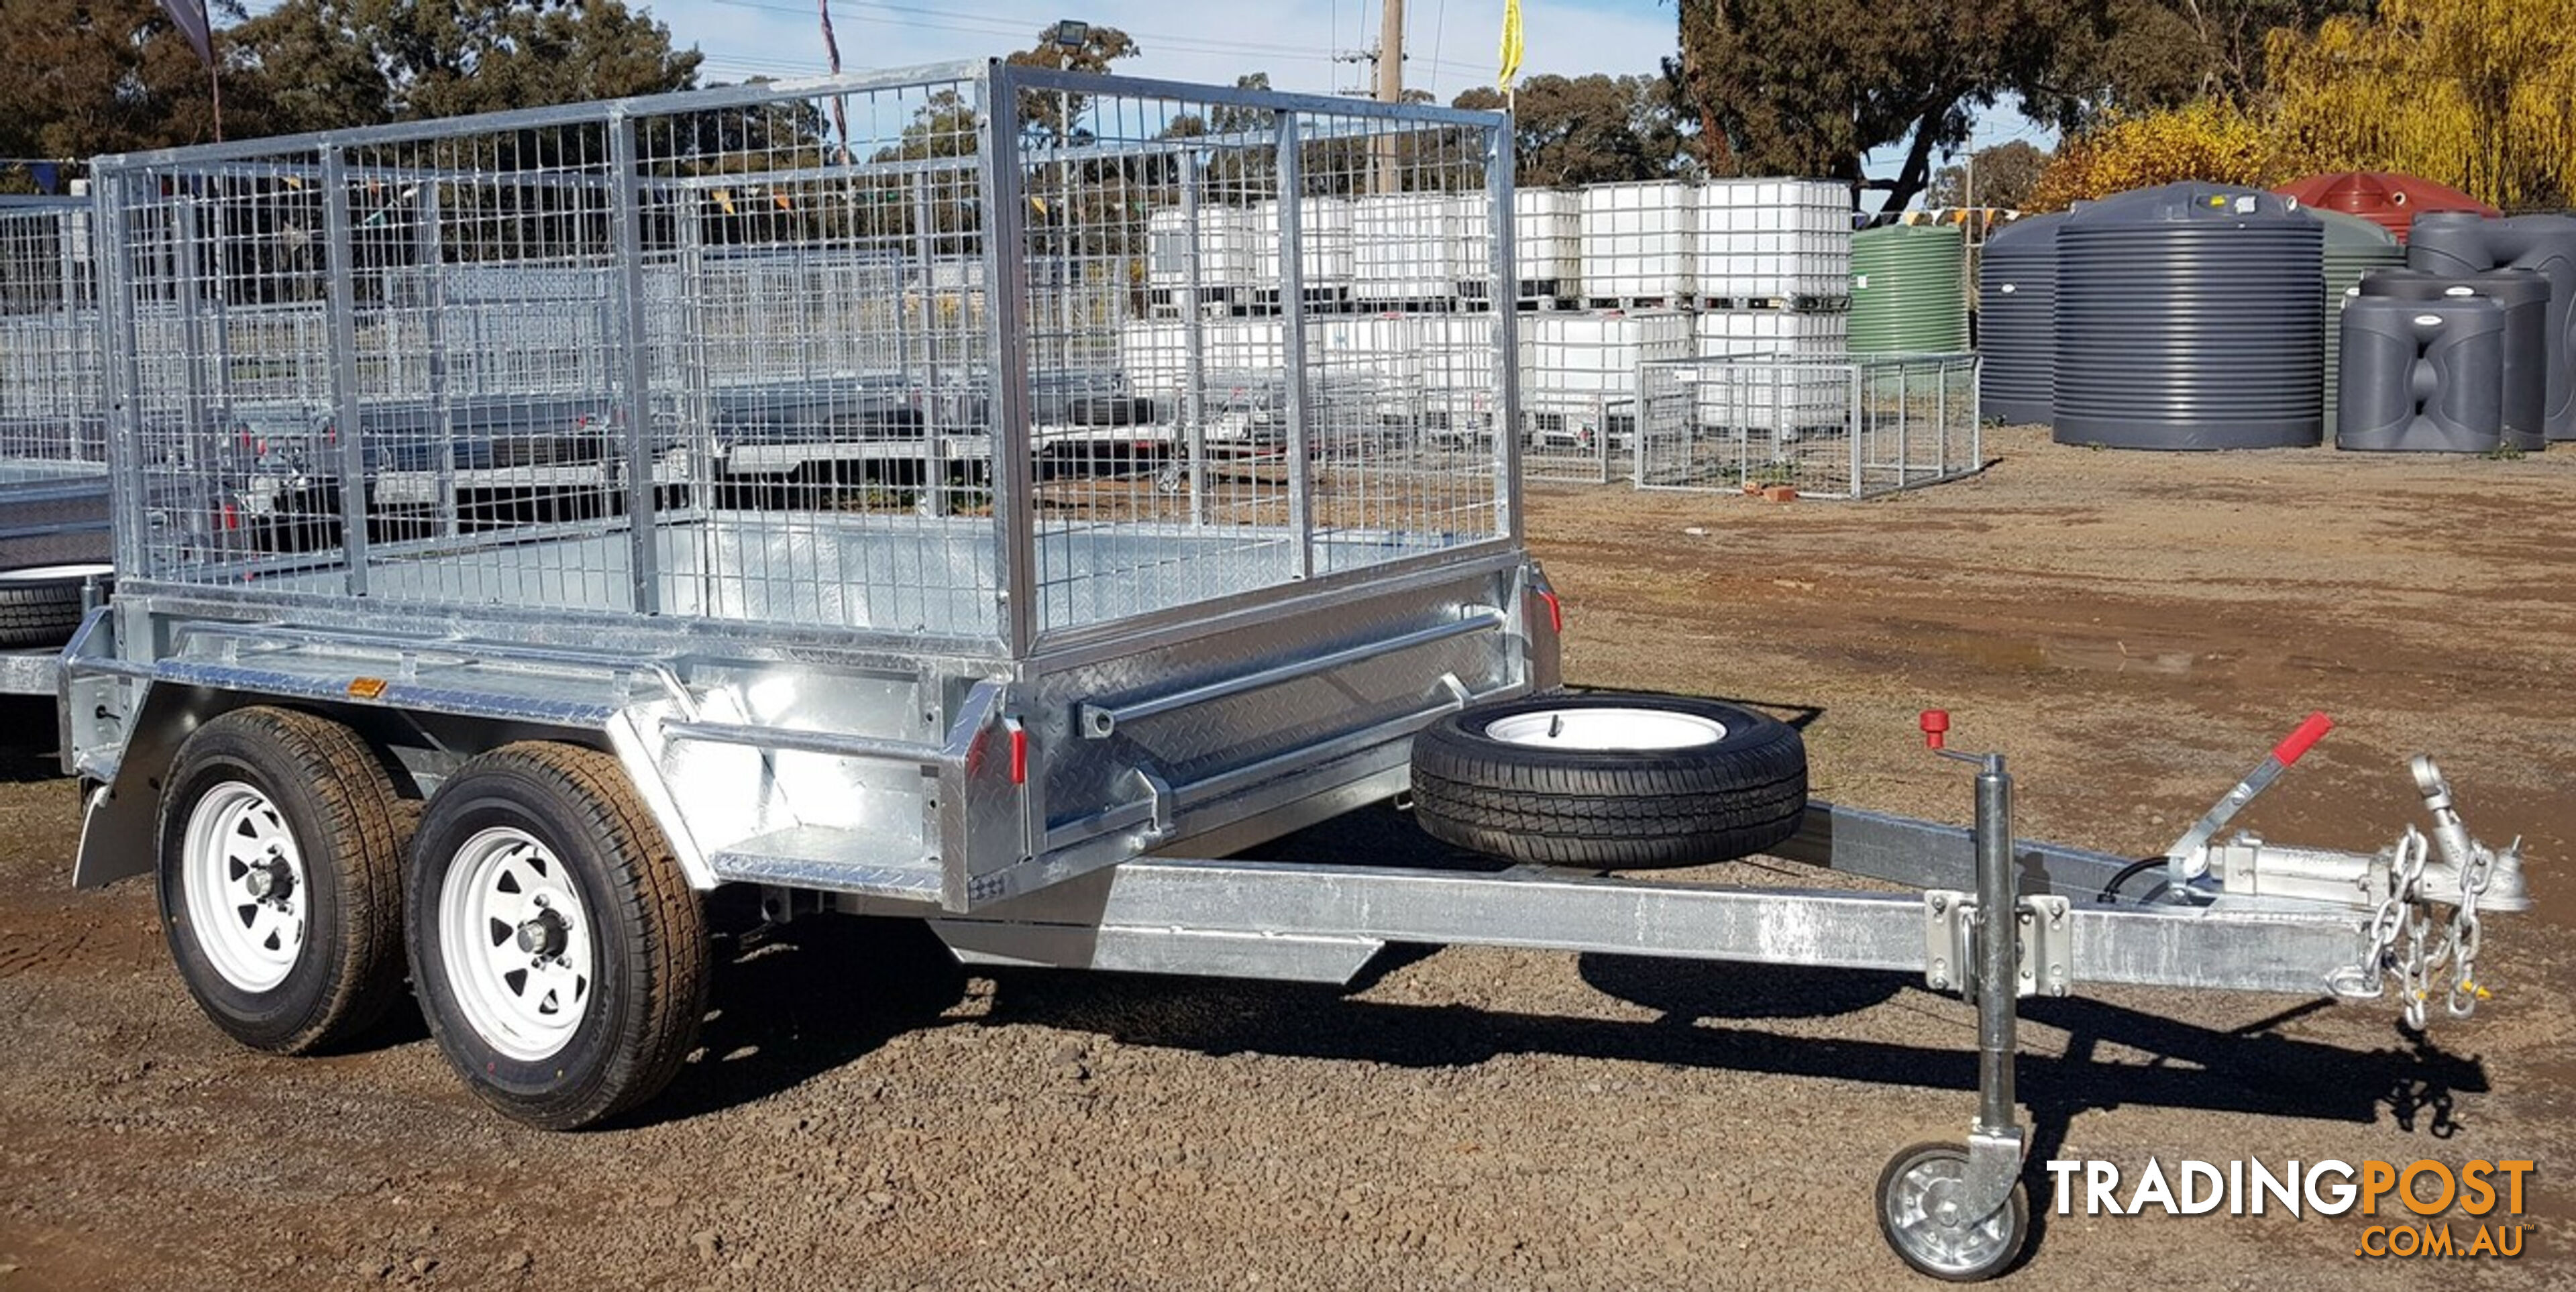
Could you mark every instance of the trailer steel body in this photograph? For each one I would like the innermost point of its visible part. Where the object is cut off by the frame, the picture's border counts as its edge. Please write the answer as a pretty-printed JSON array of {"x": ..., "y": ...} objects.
[{"x": 1037, "y": 708}]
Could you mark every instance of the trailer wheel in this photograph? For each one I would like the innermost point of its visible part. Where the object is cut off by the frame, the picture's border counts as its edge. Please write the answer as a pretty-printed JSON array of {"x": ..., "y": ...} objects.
[
  {"x": 560, "y": 955},
  {"x": 41, "y": 605},
  {"x": 1610, "y": 780},
  {"x": 1919, "y": 1216},
  {"x": 281, "y": 878}
]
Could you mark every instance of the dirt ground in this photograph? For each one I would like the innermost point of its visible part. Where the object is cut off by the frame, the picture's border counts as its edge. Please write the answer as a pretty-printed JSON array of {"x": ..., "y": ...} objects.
[{"x": 2134, "y": 630}]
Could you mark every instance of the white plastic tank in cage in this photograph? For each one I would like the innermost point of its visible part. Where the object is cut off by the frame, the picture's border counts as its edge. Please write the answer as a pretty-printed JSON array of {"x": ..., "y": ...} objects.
[
  {"x": 1781, "y": 395},
  {"x": 1377, "y": 345},
  {"x": 1407, "y": 248},
  {"x": 1600, "y": 350},
  {"x": 1455, "y": 352},
  {"x": 1225, "y": 250},
  {"x": 1154, "y": 355},
  {"x": 1324, "y": 234},
  {"x": 1637, "y": 240},
  {"x": 1807, "y": 334},
  {"x": 1774, "y": 240},
  {"x": 1246, "y": 345},
  {"x": 1547, "y": 229}
]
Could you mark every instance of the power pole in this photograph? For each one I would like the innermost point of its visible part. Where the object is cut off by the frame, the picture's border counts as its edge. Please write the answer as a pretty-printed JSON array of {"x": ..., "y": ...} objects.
[{"x": 1390, "y": 86}]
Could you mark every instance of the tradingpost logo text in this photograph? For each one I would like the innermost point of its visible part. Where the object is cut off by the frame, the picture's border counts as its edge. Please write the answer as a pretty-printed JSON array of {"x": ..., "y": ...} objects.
[{"x": 2488, "y": 1196}]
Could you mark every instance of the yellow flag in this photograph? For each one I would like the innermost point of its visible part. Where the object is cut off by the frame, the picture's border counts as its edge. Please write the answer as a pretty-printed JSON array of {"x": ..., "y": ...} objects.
[{"x": 1511, "y": 45}]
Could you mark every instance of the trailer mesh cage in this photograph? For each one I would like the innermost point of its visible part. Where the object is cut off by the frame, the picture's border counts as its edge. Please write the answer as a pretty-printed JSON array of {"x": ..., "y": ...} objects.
[
  {"x": 50, "y": 424},
  {"x": 857, "y": 354}
]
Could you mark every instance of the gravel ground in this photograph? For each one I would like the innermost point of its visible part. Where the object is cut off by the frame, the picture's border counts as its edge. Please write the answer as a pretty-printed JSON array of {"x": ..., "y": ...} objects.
[{"x": 2135, "y": 630}]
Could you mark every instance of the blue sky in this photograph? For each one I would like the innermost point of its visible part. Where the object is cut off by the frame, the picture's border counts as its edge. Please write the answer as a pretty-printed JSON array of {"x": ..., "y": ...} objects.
[{"x": 1453, "y": 43}]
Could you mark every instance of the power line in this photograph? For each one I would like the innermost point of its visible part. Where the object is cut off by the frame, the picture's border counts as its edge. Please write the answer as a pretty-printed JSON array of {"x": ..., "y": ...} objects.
[{"x": 1439, "y": 25}]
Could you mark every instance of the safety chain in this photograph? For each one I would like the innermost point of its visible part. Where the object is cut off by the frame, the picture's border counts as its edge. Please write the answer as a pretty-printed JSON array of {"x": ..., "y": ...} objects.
[
  {"x": 2465, "y": 933},
  {"x": 2364, "y": 979},
  {"x": 2405, "y": 914}
]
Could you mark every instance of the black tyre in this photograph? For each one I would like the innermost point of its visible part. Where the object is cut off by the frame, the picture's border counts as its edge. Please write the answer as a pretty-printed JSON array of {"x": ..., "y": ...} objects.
[
  {"x": 1610, "y": 781},
  {"x": 1109, "y": 410},
  {"x": 1921, "y": 1217},
  {"x": 41, "y": 605},
  {"x": 559, "y": 953},
  {"x": 281, "y": 850}
]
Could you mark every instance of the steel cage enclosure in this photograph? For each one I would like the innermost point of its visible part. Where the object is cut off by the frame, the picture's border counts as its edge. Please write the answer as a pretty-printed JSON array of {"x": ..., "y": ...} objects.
[
  {"x": 1832, "y": 428},
  {"x": 835, "y": 353},
  {"x": 778, "y": 439}
]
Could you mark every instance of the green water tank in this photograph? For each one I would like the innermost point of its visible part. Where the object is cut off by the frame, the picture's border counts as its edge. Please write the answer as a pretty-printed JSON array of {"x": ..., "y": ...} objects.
[
  {"x": 2354, "y": 246},
  {"x": 1909, "y": 290}
]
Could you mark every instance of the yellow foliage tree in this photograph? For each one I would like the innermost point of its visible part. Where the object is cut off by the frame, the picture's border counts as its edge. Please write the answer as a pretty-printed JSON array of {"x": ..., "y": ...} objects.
[
  {"x": 2211, "y": 140},
  {"x": 2477, "y": 94}
]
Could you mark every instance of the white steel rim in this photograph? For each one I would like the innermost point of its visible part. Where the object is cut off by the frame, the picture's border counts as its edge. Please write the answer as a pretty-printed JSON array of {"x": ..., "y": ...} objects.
[
  {"x": 53, "y": 573},
  {"x": 515, "y": 941},
  {"x": 1924, "y": 1215},
  {"x": 244, "y": 880},
  {"x": 1603, "y": 730}
]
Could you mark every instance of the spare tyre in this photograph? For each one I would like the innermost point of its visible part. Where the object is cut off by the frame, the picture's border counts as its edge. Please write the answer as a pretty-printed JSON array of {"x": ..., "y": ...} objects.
[
  {"x": 41, "y": 605},
  {"x": 1610, "y": 780}
]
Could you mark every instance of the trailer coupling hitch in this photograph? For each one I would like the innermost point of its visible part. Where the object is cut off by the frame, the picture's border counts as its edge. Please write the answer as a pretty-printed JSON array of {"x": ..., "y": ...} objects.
[
  {"x": 2425, "y": 896},
  {"x": 2409, "y": 937}
]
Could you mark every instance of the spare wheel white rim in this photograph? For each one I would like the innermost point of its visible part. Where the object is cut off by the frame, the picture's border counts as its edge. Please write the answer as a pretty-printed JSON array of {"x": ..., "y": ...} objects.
[
  {"x": 1605, "y": 730},
  {"x": 515, "y": 940},
  {"x": 51, "y": 573},
  {"x": 243, "y": 877}
]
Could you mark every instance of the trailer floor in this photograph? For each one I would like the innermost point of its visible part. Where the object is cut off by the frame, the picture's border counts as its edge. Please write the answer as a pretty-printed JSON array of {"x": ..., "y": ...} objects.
[{"x": 2134, "y": 629}]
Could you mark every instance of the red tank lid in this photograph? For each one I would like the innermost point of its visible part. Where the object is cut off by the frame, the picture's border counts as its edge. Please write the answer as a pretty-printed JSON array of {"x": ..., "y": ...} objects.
[{"x": 2385, "y": 198}]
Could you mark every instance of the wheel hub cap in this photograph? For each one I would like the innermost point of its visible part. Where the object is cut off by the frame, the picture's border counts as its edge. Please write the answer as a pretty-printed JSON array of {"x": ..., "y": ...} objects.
[
  {"x": 274, "y": 882},
  {"x": 544, "y": 935},
  {"x": 1928, "y": 1218}
]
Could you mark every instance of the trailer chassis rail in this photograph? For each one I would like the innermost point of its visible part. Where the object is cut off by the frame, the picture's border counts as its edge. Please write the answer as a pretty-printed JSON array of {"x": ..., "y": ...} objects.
[{"x": 2254, "y": 917}]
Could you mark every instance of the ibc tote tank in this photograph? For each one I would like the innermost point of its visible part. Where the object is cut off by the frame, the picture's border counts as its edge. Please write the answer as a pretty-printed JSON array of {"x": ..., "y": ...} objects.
[
  {"x": 2188, "y": 318},
  {"x": 2017, "y": 321}
]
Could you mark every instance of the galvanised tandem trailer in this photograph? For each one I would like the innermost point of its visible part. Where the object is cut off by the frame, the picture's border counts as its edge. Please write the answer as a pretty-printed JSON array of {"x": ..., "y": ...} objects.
[{"x": 505, "y": 751}]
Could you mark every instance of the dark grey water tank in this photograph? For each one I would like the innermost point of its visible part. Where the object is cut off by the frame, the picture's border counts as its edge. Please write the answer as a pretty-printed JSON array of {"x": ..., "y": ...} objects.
[
  {"x": 2523, "y": 295},
  {"x": 2017, "y": 321},
  {"x": 2354, "y": 246},
  {"x": 2452, "y": 242},
  {"x": 2422, "y": 376},
  {"x": 2187, "y": 318}
]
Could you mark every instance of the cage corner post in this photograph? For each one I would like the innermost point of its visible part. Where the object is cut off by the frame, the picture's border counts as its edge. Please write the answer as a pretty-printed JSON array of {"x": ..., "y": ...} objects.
[
  {"x": 1006, "y": 301},
  {"x": 1292, "y": 336},
  {"x": 633, "y": 376},
  {"x": 346, "y": 415},
  {"x": 1501, "y": 179}
]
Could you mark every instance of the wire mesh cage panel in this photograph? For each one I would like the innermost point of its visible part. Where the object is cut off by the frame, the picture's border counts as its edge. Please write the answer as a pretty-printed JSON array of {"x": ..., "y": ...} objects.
[
  {"x": 51, "y": 411},
  {"x": 1830, "y": 428},
  {"x": 1236, "y": 454},
  {"x": 1579, "y": 392},
  {"x": 932, "y": 353}
]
